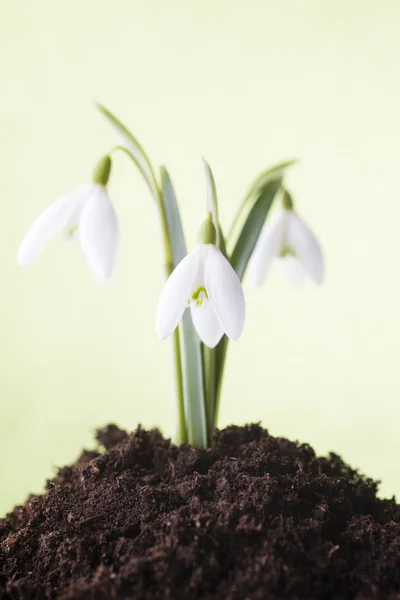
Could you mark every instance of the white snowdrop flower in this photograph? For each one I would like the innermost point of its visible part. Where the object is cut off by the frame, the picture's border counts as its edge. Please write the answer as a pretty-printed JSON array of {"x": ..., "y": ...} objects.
[
  {"x": 287, "y": 238},
  {"x": 205, "y": 281},
  {"x": 87, "y": 216}
]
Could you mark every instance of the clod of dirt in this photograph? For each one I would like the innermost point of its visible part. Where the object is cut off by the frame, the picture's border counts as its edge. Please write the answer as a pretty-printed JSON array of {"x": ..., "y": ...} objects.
[{"x": 256, "y": 518}]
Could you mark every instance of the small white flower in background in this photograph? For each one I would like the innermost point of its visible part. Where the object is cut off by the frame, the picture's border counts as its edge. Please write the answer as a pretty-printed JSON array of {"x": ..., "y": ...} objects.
[
  {"x": 287, "y": 238},
  {"x": 205, "y": 281},
  {"x": 87, "y": 216}
]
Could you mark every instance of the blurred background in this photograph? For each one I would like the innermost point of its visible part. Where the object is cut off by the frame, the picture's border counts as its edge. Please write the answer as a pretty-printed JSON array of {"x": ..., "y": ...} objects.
[{"x": 246, "y": 84}]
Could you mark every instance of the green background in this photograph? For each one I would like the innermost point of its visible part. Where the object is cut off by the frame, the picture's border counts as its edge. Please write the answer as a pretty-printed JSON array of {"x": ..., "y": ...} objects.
[{"x": 244, "y": 83}]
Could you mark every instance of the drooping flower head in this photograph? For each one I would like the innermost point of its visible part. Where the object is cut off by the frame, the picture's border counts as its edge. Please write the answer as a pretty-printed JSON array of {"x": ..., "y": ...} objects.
[
  {"x": 287, "y": 238},
  {"x": 206, "y": 282},
  {"x": 86, "y": 215}
]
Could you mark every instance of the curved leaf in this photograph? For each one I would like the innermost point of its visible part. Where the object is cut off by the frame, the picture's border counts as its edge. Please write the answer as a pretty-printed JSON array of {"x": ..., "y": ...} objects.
[
  {"x": 239, "y": 260},
  {"x": 174, "y": 223},
  {"x": 252, "y": 227},
  {"x": 270, "y": 174},
  {"x": 255, "y": 189}
]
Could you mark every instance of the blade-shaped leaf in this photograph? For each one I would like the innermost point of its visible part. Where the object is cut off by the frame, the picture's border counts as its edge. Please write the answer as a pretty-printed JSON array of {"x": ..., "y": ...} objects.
[
  {"x": 270, "y": 174},
  {"x": 174, "y": 224},
  {"x": 239, "y": 260},
  {"x": 133, "y": 146},
  {"x": 192, "y": 367},
  {"x": 252, "y": 227},
  {"x": 222, "y": 244},
  {"x": 193, "y": 384}
]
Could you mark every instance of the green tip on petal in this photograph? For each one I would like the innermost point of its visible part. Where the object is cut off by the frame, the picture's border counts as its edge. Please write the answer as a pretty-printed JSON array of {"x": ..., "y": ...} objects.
[
  {"x": 101, "y": 173},
  {"x": 287, "y": 251},
  {"x": 287, "y": 201},
  {"x": 208, "y": 233}
]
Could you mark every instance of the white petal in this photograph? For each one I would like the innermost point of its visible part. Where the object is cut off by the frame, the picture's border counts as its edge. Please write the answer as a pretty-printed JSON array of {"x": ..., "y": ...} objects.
[
  {"x": 71, "y": 229},
  {"x": 175, "y": 295},
  {"x": 225, "y": 293},
  {"x": 99, "y": 234},
  {"x": 206, "y": 323},
  {"x": 307, "y": 249},
  {"x": 52, "y": 219},
  {"x": 293, "y": 270},
  {"x": 201, "y": 251},
  {"x": 267, "y": 248}
]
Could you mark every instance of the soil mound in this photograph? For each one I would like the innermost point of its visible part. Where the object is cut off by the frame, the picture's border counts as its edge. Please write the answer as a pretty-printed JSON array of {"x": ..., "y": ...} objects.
[{"x": 256, "y": 518}]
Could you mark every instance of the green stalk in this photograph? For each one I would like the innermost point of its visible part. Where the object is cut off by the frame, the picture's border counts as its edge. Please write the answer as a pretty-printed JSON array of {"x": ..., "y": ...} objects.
[
  {"x": 181, "y": 435},
  {"x": 220, "y": 358},
  {"x": 240, "y": 257},
  {"x": 210, "y": 379},
  {"x": 193, "y": 384},
  {"x": 138, "y": 166}
]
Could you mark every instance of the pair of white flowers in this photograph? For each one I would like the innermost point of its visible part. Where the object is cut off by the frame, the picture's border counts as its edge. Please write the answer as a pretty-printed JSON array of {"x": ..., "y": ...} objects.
[{"x": 204, "y": 280}]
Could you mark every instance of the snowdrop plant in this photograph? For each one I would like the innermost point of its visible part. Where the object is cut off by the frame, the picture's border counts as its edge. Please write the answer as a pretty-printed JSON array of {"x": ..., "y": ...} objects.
[{"x": 207, "y": 280}]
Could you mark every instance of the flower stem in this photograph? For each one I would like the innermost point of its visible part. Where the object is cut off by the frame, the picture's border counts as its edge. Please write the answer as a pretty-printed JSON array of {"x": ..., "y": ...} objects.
[
  {"x": 150, "y": 182},
  {"x": 180, "y": 436},
  {"x": 210, "y": 387},
  {"x": 220, "y": 357}
]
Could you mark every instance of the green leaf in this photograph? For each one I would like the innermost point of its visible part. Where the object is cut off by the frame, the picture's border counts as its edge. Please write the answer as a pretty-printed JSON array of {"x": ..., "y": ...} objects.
[
  {"x": 270, "y": 174},
  {"x": 210, "y": 355},
  {"x": 239, "y": 260},
  {"x": 252, "y": 227},
  {"x": 222, "y": 244},
  {"x": 192, "y": 366},
  {"x": 220, "y": 357},
  {"x": 133, "y": 147},
  {"x": 174, "y": 223},
  {"x": 193, "y": 384},
  {"x": 210, "y": 366}
]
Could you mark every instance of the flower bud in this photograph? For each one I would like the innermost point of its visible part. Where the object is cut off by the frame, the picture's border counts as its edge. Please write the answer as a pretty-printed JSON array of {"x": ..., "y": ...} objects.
[
  {"x": 207, "y": 233},
  {"x": 287, "y": 201},
  {"x": 101, "y": 172}
]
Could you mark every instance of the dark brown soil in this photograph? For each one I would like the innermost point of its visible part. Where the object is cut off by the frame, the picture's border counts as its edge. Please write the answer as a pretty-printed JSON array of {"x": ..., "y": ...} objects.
[{"x": 256, "y": 518}]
